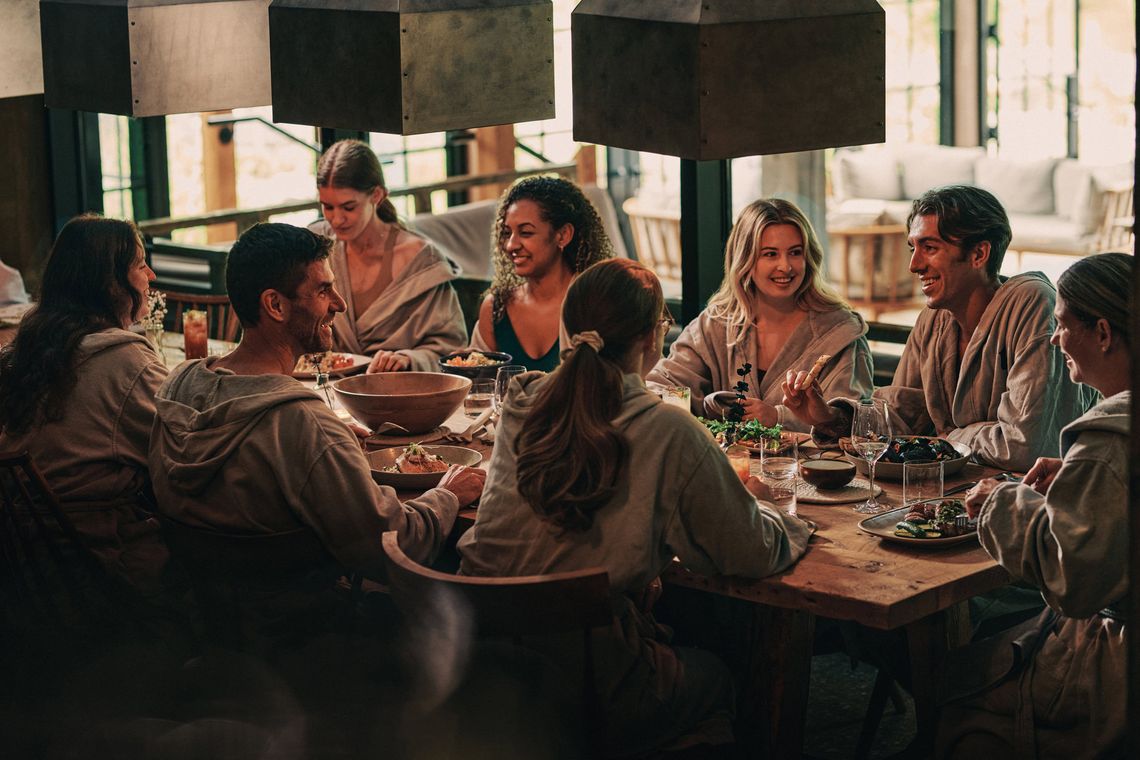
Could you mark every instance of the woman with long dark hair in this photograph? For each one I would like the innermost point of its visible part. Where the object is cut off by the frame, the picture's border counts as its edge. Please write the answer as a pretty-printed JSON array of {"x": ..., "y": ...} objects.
[
  {"x": 590, "y": 469},
  {"x": 546, "y": 232},
  {"x": 402, "y": 309},
  {"x": 775, "y": 312},
  {"x": 77, "y": 392},
  {"x": 1056, "y": 685}
]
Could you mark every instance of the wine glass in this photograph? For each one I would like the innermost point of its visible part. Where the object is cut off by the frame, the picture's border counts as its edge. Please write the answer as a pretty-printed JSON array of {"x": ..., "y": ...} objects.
[
  {"x": 870, "y": 434},
  {"x": 503, "y": 382}
]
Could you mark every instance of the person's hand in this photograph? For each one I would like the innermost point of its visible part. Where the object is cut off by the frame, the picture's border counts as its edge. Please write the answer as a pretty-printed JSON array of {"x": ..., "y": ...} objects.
[
  {"x": 977, "y": 496},
  {"x": 465, "y": 482},
  {"x": 755, "y": 409},
  {"x": 360, "y": 432},
  {"x": 758, "y": 488},
  {"x": 389, "y": 361},
  {"x": 648, "y": 596},
  {"x": 804, "y": 398},
  {"x": 1041, "y": 474}
]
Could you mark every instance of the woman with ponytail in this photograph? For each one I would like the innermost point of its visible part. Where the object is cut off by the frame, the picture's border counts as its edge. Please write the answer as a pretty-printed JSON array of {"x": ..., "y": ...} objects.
[
  {"x": 590, "y": 469},
  {"x": 401, "y": 306}
]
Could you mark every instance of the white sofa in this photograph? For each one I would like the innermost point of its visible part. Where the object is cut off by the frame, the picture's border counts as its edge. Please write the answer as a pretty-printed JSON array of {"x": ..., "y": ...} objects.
[{"x": 1054, "y": 205}]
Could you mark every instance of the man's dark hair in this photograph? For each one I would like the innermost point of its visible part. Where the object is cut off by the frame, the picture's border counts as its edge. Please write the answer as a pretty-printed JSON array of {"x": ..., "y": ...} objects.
[
  {"x": 270, "y": 256},
  {"x": 967, "y": 216}
]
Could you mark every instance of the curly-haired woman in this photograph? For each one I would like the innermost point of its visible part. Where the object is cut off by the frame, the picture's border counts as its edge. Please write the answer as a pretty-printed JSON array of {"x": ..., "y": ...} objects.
[
  {"x": 77, "y": 392},
  {"x": 772, "y": 311},
  {"x": 546, "y": 232},
  {"x": 402, "y": 309}
]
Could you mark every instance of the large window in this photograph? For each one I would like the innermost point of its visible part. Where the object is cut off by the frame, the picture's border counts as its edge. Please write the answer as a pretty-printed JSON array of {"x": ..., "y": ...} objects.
[{"x": 912, "y": 77}]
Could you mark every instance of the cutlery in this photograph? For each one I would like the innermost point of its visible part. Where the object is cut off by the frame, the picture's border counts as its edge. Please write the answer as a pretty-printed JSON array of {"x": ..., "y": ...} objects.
[{"x": 960, "y": 488}]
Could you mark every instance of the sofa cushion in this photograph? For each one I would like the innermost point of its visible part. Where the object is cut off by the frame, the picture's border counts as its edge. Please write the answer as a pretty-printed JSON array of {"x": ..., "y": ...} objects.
[
  {"x": 1023, "y": 187},
  {"x": 1046, "y": 233},
  {"x": 866, "y": 173},
  {"x": 1077, "y": 190},
  {"x": 928, "y": 166}
]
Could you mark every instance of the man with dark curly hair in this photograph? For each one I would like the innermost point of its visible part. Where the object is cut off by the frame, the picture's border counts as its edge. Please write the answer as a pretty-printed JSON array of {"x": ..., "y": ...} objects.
[{"x": 546, "y": 231}]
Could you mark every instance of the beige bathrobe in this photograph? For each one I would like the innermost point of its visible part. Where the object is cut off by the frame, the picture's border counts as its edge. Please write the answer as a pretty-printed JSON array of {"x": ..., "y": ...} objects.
[
  {"x": 264, "y": 454},
  {"x": 1008, "y": 397},
  {"x": 678, "y": 497},
  {"x": 417, "y": 315},
  {"x": 702, "y": 360},
  {"x": 94, "y": 456},
  {"x": 1067, "y": 698}
]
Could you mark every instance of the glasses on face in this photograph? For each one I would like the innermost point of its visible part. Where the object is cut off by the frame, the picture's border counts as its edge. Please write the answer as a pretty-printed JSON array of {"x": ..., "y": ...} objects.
[{"x": 666, "y": 320}]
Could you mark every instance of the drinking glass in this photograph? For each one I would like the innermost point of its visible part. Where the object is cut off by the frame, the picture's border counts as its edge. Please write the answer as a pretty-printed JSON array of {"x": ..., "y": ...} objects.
[
  {"x": 870, "y": 434},
  {"x": 194, "y": 333},
  {"x": 479, "y": 398},
  {"x": 921, "y": 480},
  {"x": 503, "y": 382},
  {"x": 780, "y": 473}
]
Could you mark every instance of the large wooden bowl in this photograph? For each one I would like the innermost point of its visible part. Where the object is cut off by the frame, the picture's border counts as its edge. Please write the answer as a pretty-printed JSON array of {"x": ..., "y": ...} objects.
[{"x": 416, "y": 401}]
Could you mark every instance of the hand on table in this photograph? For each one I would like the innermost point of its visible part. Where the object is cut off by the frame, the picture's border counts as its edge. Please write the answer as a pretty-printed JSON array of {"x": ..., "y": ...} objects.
[
  {"x": 648, "y": 596},
  {"x": 977, "y": 495},
  {"x": 360, "y": 432},
  {"x": 389, "y": 361},
  {"x": 465, "y": 482},
  {"x": 804, "y": 398},
  {"x": 1041, "y": 474},
  {"x": 758, "y": 488}
]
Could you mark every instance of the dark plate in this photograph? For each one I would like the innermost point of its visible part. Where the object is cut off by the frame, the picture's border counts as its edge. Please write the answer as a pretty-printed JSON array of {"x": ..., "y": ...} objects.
[{"x": 883, "y": 526}]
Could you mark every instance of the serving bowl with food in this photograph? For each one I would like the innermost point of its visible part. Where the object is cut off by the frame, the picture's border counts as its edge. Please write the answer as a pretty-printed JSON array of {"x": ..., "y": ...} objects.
[
  {"x": 331, "y": 363},
  {"x": 930, "y": 522},
  {"x": 914, "y": 448},
  {"x": 753, "y": 436},
  {"x": 415, "y": 466},
  {"x": 416, "y": 401},
  {"x": 474, "y": 364}
]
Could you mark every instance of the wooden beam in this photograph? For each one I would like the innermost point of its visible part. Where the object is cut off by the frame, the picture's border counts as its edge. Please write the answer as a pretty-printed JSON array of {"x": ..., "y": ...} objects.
[
  {"x": 492, "y": 151},
  {"x": 25, "y": 195},
  {"x": 219, "y": 175}
]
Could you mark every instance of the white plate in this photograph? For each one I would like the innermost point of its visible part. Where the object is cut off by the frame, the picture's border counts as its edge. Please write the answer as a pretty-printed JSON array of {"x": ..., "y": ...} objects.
[
  {"x": 382, "y": 458},
  {"x": 883, "y": 526},
  {"x": 857, "y": 490},
  {"x": 359, "y": 364}
]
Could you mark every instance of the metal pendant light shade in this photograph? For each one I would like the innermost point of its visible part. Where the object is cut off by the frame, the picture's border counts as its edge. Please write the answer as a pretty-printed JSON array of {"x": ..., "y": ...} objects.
[
  {"x": 411, "y": 66},
  {"x": 716, "y": 79},
  {"x": 155, "y": 57},
  {"x": 21, "y": 67}
]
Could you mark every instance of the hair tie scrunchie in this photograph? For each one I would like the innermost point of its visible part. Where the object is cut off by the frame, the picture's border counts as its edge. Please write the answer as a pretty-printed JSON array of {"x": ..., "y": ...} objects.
[{"x": 588, "y": 338}]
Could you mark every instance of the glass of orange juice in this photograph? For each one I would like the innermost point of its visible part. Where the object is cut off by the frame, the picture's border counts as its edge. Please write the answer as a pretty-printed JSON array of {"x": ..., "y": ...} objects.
[{"x": 194, "y": 333}]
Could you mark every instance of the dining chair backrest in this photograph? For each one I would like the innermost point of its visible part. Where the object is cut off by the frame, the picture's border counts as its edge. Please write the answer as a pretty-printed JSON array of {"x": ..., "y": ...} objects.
[
  {"x": 222, "y": 321},
  {"x": 51, "y": 579}
]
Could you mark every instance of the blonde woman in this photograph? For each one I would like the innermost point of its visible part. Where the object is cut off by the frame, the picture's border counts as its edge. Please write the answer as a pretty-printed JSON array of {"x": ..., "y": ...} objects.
[
  {"x": 590, "y": 469},
  {"x": 774, "y": 312},
  {"x": 546, "y": 232},
  {"x": 402, "y": 310}
]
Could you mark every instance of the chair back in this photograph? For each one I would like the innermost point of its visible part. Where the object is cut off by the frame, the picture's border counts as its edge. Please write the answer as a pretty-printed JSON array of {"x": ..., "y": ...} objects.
[
  {"x": 49, "y": 579},
  {"x": 656, "y": 238},
  {"x": 222, "y": 321}
]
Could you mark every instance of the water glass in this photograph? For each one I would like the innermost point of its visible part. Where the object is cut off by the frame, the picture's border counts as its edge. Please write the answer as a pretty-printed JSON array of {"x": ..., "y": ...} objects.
[
  {"x": 780, "y": 472},
  {"x": 479, "y": 398},
  {"x": 922, "y": 480},
  {"x": 503, "y": 383}
]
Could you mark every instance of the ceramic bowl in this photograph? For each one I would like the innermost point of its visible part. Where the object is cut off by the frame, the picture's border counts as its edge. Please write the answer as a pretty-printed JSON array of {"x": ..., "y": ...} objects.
[
  {"x": 827, "y": 473},
  {"x": 382, "y": 458},
  {"x": 416, "y": 401},
  {"x": 473, "y": 373},
  {"x": 894, "y": 470}
]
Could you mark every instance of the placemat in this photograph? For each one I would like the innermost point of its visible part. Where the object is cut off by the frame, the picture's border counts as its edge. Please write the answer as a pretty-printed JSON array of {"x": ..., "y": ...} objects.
[{"x": 856, "y": 490}]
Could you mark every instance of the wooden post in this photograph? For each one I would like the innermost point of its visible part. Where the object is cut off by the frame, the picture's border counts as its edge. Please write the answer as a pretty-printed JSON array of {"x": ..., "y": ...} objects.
[
  {"x": 492, "y": 151},
  {"x": 219, "y": 176},
  {"x": 26, "y": 195}
]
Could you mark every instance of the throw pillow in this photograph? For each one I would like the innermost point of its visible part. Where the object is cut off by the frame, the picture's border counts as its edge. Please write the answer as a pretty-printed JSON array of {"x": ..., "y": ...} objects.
[
  {"x": 868, "y": 173},
  {"x": 928, "y": 166},
  {"x": 1023, "y": 187}
]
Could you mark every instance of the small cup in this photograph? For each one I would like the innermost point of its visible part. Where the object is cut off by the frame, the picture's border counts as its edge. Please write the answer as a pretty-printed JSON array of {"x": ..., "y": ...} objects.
[
  {"x": 740, "y": 459},
  {"x": 194, "y": 333},
  {"x": 780, "y": 473},
  {"x": 921, "y": 480},
  {"x": 479, "y": 398}
]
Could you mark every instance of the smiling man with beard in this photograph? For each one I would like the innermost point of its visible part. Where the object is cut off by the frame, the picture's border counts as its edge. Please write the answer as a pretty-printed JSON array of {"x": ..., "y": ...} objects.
[
  {"x": 978, "y": 367},
  {"x": 239, "y": 446}
]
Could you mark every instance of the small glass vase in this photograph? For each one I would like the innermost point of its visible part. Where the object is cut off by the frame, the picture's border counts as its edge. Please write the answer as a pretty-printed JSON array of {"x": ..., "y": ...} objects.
[{"x": 154, "y": 334}]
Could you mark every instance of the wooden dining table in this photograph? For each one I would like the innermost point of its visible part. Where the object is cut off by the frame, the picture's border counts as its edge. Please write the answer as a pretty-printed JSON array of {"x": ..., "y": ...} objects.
[{"x": 847, "y": 574}]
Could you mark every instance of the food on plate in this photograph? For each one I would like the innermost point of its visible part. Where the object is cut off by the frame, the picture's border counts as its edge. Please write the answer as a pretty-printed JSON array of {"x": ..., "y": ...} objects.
[
  {"x": 816, "y": 368},
  {"x": 416, "y": 461},
  {"x": 934, "y": 519},
  {"x": 918, "y": 448},
  {"x": 323, "y": 363},
  {"x": 750, "y": 432},
  {"x": 473, "y": 359}
]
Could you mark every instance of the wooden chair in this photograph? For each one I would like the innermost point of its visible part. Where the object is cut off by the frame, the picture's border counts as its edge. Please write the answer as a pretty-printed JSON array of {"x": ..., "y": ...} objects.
[
  {"x": 1116, "y": 230},
  {"x": 884, "y": 251},
  {"x": 657, "y": 240},
  {"x": 239, "y": 581},
  {"x": 512, "y": 607},
  {"x": 222, "y": 322}
]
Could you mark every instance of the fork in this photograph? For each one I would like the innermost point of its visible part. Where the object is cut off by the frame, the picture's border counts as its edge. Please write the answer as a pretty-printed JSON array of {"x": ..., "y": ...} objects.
[{"x": 323, "y": 385}]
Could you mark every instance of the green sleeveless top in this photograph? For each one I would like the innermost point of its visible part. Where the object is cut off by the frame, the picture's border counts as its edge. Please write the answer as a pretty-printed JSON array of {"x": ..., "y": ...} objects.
[{"x": 508, "y": 342}]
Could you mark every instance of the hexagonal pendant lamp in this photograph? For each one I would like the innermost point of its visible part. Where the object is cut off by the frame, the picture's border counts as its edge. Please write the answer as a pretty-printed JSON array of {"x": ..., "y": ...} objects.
[
  {"x": 717, "y": 79},
  {"x": 21, "y": 64},
  {"x": 154, "y": 57},
  {"x": 411, "y": 66}
]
